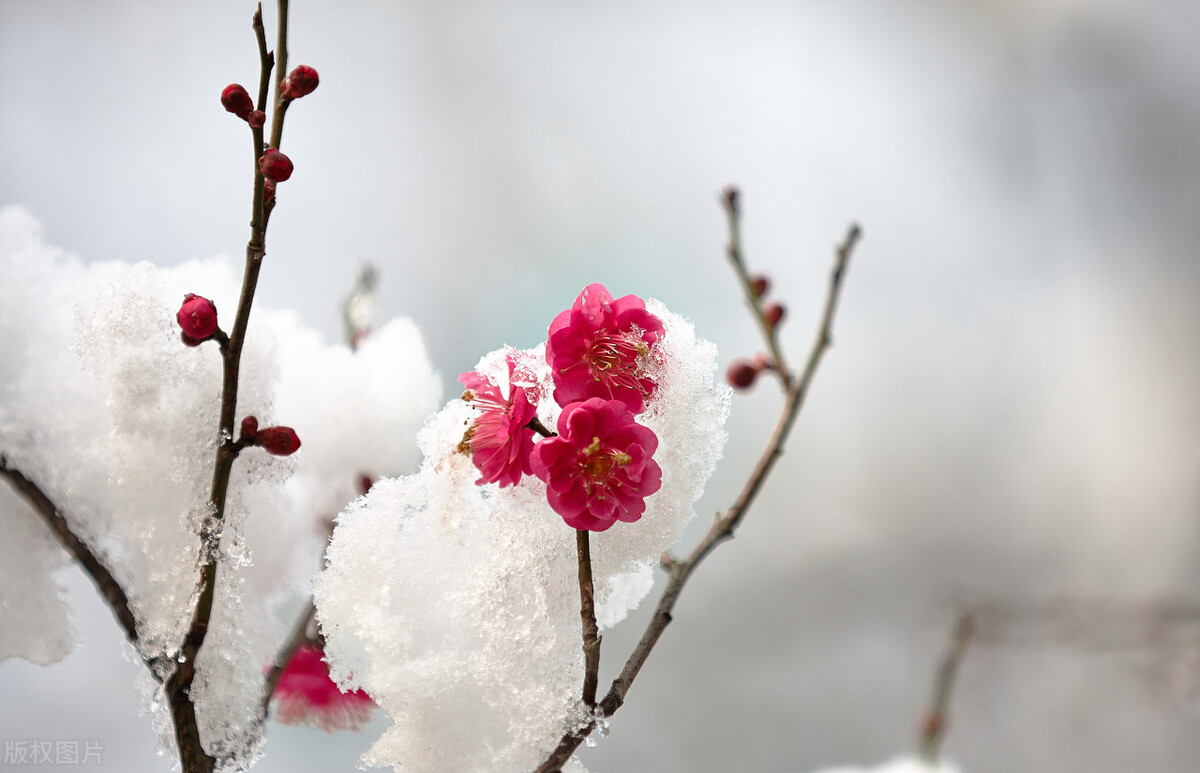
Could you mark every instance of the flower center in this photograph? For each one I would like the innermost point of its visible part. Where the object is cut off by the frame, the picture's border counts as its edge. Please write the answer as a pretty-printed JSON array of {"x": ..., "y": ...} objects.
[
  {"x": 614, "y": 360},
  {"x": 597, "y": 466}
]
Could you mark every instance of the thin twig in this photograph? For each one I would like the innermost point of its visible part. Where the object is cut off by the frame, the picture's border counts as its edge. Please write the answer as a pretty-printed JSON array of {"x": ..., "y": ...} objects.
[
  {"x": 587, "y": 613},
  {"x": 723, "y": 527},
  {"x": 52, "y": 514},
  {"x": 729, "y": 201},
  {"x": 933, "y": 724}
]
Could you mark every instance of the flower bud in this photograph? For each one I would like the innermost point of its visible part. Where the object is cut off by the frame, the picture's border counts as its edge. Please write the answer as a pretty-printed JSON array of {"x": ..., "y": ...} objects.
[
  {"x": 268, "y": 192},
  {"x": 741, "y": 374},
  {"x": 275, "y": 166},
  {"x": 774, "y": 313},
  {"x": 280, "y": 441},
  {"x": 188, "y": 340},
  {"x": 197, "y": 317},
  {"x": 237, "y": 101},
  {"x": 249, "y": 428},
  {"x": 256, "y": 119},
  {"x": 759, "y": 284},
  {"x": 299, "y": 82}
]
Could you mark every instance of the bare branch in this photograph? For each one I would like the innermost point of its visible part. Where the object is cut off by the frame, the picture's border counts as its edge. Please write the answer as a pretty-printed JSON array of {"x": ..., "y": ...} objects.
[
  {"x": 933, "y": 724},
  {"x": 108, "y": 586}
]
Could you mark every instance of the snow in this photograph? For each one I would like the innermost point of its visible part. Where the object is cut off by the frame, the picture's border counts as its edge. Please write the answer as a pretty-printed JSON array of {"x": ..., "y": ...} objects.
[{"x": 115, "y": 419}]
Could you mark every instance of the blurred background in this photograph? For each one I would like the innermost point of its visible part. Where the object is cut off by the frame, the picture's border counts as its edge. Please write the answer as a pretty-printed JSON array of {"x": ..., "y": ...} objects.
[{"x": 1010, "y": 411}]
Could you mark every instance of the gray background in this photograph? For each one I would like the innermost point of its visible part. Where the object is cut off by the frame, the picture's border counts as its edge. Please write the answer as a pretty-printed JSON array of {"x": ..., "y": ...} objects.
[{"x": 1010, "y": 410}]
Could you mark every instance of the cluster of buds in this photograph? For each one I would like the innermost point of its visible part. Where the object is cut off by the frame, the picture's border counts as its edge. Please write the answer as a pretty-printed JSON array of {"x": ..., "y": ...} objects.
[
  {"x": 742, "y": 372},
  {"x": 274, "y": 165},
  {"x": 772, "y": 312},
  {"x": 279, "y": 441}
]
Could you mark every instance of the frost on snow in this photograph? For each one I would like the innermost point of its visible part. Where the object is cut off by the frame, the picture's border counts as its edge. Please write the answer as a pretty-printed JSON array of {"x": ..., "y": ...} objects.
[
  {"x": 456, "y": 606},
  {"x": 104, "y": 408}
]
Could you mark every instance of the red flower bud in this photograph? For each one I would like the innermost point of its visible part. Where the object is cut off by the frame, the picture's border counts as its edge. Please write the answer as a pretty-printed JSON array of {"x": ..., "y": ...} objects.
[
  {"x": 249, "y": 428},
  {"x": 256, "y": 119},
  {"x": 197, "y": 317},
  {"x": 741, "y": 374},
  {"x": 299, "y": 82},
  {"x": 237, "y": 101},
  {"x": 280, "y": 441},
  {"x": 760, "y": 285},
  {"x": 275, "y": 166},
  {"x": 774, "y": 313},
  {"x": 268, "y": 192}
]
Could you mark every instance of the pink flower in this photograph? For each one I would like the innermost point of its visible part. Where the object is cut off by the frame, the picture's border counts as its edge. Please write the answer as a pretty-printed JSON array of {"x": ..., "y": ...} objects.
[
  {"x": 597, "y": 348},
  {"x": 599, "y": 469},
  {"x": 306, "y": 695},
  {"x": 497, "y": 440}
]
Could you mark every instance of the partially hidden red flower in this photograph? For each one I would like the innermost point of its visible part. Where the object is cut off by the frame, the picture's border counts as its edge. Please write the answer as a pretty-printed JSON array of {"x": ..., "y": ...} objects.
[
  {"x": 498, "y": 440},
  {"x": 197, "y": 317},
  {"x": 280, "y": 441},
  {"x": 300, "y": 82},
  {"x": 275, "y": 166},
  {"x": 598, "y": 348},
  {"x": 307, "y": 695},
  {"x": 236, "y": 100},
  {"x": 599, "y": 470}
]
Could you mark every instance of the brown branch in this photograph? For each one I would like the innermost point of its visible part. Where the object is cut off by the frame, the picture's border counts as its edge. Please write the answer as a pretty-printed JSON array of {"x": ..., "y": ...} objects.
[
  {"x": 724, "y": 526},
  {"x": 587, "y": 613},
  {"x": 192, "y": 754},
  {"x": 933, "y": 724},
  {"x": 108, "y": 586}
]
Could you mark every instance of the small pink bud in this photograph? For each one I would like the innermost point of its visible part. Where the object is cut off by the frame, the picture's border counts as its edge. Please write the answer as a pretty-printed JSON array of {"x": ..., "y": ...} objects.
[
  {"x": 774, "y": 313},
  {"x": 237, "y": 101},
  {"x": 280, "y": 441},
  {"x": 256, "y": 119},
  {"x": 249, "y": 428},
  {"x": 268, "y": 192},
  {"x": 275, "y": 166},
  {"x": 760, "y": 285},
  {"x": 741, "y": 374},
  {"x": 299, "y": 82},
  {"x": 197, "y": 317}
]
